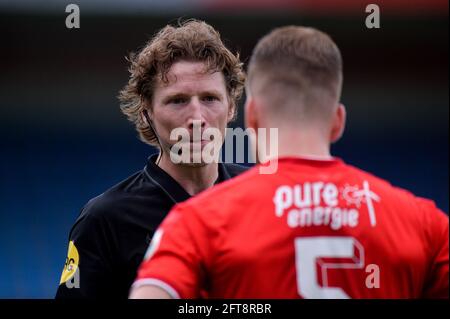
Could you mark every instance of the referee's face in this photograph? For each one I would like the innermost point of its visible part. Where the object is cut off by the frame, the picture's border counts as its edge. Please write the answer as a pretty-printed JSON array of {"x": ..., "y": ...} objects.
[{"x": 191, "y": 95}]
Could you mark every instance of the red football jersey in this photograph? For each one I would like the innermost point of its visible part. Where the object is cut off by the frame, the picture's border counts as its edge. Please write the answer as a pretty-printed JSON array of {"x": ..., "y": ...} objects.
[{"x": 314, "y": 229}]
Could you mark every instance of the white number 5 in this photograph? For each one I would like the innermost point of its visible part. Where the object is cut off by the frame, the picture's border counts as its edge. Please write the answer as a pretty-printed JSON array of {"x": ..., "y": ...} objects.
[{"x": 309, "y": 250}]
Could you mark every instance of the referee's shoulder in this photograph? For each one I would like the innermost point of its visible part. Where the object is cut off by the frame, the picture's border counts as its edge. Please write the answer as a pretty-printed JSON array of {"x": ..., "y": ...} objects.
[{"x": 112, "y": 201}]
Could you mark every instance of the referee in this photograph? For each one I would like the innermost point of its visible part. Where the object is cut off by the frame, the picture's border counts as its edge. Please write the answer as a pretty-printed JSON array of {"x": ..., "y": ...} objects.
[{"x": 182, "y": 75}]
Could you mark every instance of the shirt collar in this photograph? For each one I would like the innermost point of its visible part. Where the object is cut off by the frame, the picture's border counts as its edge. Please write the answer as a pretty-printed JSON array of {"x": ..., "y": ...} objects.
[{"x": 169, "y": 185}]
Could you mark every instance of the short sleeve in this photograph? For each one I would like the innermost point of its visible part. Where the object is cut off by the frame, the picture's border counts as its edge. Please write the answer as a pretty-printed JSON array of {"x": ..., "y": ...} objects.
[
  {"x": 87, "y": 271},
  {"x": 437, "y": 282},
  {"x": 175, "y": 258}
]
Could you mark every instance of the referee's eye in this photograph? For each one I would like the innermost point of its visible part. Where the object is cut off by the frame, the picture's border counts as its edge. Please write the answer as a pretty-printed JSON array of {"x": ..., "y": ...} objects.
[{"x": 210, "y": 98}]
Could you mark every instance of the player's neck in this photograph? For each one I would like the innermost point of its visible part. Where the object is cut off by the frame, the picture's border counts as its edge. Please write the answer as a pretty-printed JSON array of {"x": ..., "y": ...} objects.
[
  {"x": 194, "y": 179},
  {"x": 304, "y": 144}
]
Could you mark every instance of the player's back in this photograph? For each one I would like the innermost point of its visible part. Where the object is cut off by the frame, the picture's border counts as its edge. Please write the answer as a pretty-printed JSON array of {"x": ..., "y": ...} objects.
[{"x": 321, "y": 229}]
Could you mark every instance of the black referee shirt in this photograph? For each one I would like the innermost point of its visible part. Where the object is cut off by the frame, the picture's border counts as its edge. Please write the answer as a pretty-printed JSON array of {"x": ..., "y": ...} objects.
[{"x": 111, "y": 235}]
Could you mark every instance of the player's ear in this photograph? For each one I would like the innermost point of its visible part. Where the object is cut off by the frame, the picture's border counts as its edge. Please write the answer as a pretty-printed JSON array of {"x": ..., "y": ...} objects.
[
  {"x": 250, "y": 113},
  {"x": 251, "y": 124},
  {"x": 338, "y": 125}
]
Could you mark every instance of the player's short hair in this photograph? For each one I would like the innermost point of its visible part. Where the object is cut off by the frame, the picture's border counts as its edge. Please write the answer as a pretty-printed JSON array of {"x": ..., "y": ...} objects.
[
  {"x": 295, "y": 64},
  {"x": 191, "y": 40}
]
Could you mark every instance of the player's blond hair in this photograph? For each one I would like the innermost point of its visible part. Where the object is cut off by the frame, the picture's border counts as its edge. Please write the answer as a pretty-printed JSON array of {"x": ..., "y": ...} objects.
[
  {"x": 295, "y": 64},
  {"x": 191, "y": 40}
]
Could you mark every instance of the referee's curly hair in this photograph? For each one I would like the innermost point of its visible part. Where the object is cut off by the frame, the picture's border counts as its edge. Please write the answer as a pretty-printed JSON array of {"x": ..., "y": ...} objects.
[{"x": 191, "y": 40}]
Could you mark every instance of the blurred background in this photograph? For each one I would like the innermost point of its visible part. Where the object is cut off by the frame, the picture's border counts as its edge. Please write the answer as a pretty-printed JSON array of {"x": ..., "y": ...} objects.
[{"x": 64, "y": 140}]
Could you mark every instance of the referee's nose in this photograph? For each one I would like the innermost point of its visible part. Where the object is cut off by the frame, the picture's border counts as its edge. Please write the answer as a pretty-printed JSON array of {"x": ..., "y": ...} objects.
[{"x": 196, "y": 117}]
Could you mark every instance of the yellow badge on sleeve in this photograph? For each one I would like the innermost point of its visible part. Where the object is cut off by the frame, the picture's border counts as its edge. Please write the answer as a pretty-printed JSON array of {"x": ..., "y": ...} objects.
[{"x": 71, "y": 265}]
